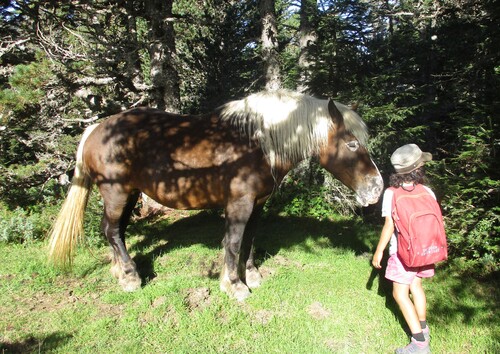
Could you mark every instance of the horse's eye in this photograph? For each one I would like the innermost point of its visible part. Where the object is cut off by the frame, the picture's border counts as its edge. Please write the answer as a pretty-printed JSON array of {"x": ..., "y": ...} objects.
[{"x": 352, "y": 145}]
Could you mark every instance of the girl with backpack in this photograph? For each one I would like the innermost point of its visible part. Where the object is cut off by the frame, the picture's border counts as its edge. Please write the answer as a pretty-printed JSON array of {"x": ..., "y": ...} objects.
[{"x": 408, "y": 162}]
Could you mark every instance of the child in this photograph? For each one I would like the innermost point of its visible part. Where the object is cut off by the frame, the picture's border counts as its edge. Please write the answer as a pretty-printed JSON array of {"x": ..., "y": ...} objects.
[{"x": 408, "y": 162}]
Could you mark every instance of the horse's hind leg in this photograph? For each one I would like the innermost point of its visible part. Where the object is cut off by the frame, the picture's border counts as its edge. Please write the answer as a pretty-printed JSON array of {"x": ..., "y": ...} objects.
[{"x": 117, "y": 210}]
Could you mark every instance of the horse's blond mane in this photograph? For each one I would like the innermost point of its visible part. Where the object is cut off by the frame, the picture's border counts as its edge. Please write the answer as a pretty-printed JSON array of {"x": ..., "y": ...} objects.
[{"x": 289, "y": 126}]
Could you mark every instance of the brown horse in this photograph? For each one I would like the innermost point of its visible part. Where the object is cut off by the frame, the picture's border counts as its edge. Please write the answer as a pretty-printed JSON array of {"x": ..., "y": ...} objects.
[{"x": 231, "y": 158}]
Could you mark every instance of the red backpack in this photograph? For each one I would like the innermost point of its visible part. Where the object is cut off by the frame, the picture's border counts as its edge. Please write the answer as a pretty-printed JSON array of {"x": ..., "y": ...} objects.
[{"x": 419, "y": 224}]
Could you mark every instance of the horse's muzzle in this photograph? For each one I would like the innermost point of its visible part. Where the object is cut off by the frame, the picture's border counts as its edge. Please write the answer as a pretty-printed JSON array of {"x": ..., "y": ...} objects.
[{"x": 370, "y": 191}]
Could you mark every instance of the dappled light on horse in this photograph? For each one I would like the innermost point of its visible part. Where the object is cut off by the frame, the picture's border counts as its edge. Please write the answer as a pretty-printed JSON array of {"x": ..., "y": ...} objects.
[{"x": 232, "y": 158}]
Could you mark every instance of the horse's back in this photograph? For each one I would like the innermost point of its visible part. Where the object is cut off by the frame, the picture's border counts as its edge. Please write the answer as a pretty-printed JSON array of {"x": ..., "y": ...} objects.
[{"x": 184, "y": 162}]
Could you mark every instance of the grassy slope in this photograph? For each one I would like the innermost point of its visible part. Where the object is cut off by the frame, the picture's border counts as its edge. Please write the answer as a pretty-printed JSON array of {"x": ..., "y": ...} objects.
[{"x": 320, "y": 295}]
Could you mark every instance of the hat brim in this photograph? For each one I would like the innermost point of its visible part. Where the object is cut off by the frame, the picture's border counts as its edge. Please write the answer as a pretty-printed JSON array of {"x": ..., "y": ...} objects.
[{"x": 426, "y": 156}]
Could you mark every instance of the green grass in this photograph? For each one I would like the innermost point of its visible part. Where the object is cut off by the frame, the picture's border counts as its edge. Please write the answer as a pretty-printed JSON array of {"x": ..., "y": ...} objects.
[{"x": 320, "y": 295}]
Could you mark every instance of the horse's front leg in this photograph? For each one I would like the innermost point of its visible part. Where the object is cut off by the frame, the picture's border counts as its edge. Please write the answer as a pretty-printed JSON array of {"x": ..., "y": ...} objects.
[
  {"x": 238, "y": 213},
  {"x": 248, "y": 270}
]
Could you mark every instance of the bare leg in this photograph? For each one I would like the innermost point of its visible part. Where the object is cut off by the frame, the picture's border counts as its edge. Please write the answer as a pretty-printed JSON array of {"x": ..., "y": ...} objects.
[
  {"x": 419, "y": 298},
  {"x": 401, "y": 293}
]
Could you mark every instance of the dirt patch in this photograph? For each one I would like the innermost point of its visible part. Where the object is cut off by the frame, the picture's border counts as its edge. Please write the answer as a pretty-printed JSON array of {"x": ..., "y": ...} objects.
[
  {"x": 285, "y": 262},
  {"x": 337, "y": 346},
  {"x": 212, "y": 269},
  {"x": 64, "y": 295},
  {"x": 266, "y": 272},
  {"x": 262, "y": 317},
  {"x": 197, "y": 299},
  {"x": 7, "y": 277},
  {"x": 317, "y": 311},
  {"x": 169, "y": 315},
  {"x": 159, "y": 301}
]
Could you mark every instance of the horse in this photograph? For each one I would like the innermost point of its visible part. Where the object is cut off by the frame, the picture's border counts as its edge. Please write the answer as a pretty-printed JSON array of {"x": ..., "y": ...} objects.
[{"x": 233, "y": 158}]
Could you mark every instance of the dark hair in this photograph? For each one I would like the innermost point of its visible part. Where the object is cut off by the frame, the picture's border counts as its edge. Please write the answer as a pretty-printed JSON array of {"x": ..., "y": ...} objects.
[{"x": 416, "y": 176}]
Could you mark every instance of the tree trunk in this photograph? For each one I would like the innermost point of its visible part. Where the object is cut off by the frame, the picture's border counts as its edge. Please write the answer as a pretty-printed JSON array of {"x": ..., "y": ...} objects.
[
  {"x": 307, "y": 40},
  {"x": 164, "y": 76},
  {"x": 269, "y": 38},
  {"x": 132, "y": 58}
]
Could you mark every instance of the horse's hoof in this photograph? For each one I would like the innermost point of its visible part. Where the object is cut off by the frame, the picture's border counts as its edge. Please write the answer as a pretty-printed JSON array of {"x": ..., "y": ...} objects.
[
  {"x": 253, "y": 279},
  {"x": 238, "y": 291},
  {"x": 241, "y": 294},
  {"x": 116, "y": 270},
  {"x": 130, "y": 283}
]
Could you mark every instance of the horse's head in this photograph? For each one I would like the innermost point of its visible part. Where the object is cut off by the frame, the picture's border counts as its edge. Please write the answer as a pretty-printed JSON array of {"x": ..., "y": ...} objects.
[{"x": 348, "y": 160}]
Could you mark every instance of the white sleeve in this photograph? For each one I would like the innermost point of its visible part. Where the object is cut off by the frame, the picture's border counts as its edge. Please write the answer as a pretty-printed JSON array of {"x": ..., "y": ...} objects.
[
  {"x": 430, "y": 191},
  {"x": 387, "y": 211},
  {"x": 387, "y": 203}
]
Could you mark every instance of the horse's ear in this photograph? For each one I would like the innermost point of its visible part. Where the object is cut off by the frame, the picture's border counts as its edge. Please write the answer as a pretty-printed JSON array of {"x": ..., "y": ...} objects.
[
  {"x": 354, "y": 106},
  {"x": 334, "y": 112}
]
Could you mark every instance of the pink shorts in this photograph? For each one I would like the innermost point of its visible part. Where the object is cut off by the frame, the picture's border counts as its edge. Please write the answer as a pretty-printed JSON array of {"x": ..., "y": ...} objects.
[{"x": 399, "y": 273}]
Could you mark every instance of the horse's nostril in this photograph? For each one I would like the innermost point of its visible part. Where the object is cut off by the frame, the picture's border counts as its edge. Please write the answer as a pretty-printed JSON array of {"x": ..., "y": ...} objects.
[{"x": 378, "y": 186}]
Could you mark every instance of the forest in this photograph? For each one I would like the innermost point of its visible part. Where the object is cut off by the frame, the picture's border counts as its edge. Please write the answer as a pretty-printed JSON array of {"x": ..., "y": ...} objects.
[{"x": 424, "y": 72}]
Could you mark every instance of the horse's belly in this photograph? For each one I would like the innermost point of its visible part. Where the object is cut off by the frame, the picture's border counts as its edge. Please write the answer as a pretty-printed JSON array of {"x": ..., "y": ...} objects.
[{"x": 188, "y": 192}]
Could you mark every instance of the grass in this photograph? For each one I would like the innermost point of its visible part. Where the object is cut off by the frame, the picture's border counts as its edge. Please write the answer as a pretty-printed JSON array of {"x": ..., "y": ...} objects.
[{"x": 320, "y": 295}]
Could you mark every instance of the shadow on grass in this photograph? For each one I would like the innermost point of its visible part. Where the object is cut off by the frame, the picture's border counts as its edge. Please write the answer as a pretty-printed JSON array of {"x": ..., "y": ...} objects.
[
  {"x": 36, "y": 345},
  {"x": 272, "y": 234},
  {"x": 467, "y": 300},
  {"x": 385, "y": 291},
  {"x": 455, "y": 298},
  {"x": 206, "y": 227}
]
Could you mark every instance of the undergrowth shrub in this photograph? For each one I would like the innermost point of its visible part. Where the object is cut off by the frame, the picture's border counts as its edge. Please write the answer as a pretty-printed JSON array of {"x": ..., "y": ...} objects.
[
  {"x": 311, "y": 191},
  {"x": 25, "y": 224},
  {"x": 92, "y": 219},
  {"x": 18, "y": 226}
]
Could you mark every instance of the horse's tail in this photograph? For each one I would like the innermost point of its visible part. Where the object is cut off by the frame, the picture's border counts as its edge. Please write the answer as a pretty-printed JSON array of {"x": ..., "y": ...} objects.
[{"x": 67, "y": 230}]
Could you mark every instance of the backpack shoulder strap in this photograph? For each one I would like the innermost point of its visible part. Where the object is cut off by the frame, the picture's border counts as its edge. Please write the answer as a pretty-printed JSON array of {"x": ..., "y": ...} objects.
[
  {"x": 393, "y": 189},
  {"x": 416, "y": 189},
  {"x": 394, "y": 196}
]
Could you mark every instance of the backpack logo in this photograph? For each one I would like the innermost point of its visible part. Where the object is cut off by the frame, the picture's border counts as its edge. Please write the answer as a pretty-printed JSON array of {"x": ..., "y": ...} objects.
[{"x": 419, "y": 224}]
